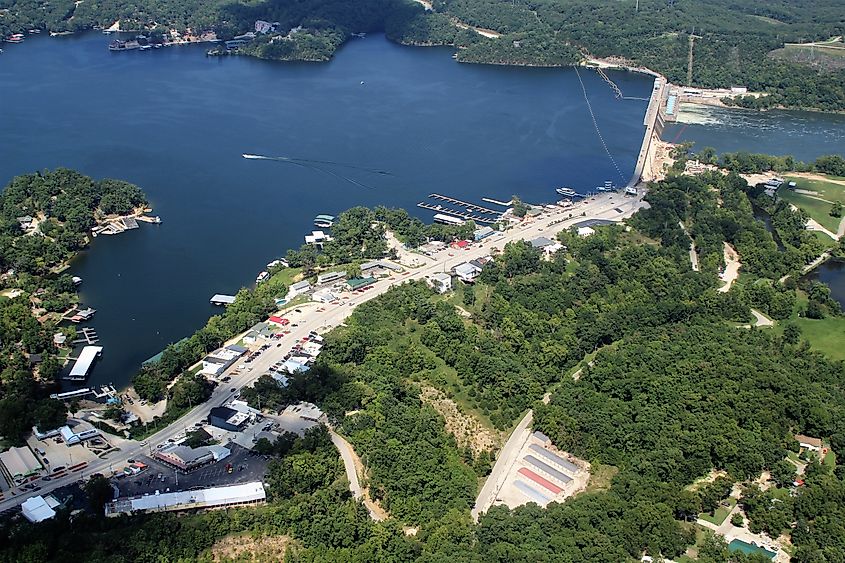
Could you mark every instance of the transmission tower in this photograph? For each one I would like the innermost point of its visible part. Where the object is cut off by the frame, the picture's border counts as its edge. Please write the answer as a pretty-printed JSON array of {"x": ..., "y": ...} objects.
[{"x": 692, "y": 38}]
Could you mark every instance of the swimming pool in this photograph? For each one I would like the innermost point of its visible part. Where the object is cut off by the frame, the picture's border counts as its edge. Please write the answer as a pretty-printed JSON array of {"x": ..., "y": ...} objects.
[{"x": 739, "y": 545}]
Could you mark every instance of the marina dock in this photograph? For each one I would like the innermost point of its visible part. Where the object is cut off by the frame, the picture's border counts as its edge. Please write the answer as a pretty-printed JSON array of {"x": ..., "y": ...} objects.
[
  {"x": 456, "y": 213},
  {"x": 496, "y": 201},
  {"x": 469, "y": 206},
  {"x": 89, "y": 336}
]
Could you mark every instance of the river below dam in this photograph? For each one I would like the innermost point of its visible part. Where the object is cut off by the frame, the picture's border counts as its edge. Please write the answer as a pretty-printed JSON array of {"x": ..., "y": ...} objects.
[
  {"x": 176, "y": 122},
  {"x": 804, "y": 135}
]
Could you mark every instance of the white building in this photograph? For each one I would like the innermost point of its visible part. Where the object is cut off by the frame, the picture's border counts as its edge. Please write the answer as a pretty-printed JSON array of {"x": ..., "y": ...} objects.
[
  {"x": 441, "y": 283},
  {"x": 216, "y": 497},
  {"x": 217, "y": 362},
  {"x": 330, "y": 277},
  {"x": 298, "y": 289},
  {"x": 467, "y": 272},
  {"x": 585, "y": 231},
  {"x": 38, "y": 509},
  {"x": 71, "y": 437},
  {"x": 323, "y": 296}
]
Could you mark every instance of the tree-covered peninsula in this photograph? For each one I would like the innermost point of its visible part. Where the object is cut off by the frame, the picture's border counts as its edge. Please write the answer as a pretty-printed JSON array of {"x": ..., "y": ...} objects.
[{"x": 45, "y": 220}]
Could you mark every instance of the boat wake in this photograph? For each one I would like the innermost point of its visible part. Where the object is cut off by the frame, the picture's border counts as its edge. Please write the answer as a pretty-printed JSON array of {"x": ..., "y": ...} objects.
[{"x": 319, "y": 166}]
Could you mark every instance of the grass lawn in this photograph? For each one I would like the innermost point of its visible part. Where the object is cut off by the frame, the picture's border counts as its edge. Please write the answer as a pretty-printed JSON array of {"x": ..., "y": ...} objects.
[
  {"x": 818, "y": 210},
  {"x": 830, "y": 458},
  {"x": 600, "y": 477},
  {"x": 720, "y": 514},
  {"x": 287, "y": 275},
  {"x": 824, "y": 335}
]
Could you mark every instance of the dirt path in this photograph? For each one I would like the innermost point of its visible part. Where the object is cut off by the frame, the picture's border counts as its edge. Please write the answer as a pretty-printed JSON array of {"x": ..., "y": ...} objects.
[
  {"x": 693, "y": 255},
  {"x": 732, "y": 265},
  {"x": 353, "y": 466},
  {"x": 819, "y": 177}
]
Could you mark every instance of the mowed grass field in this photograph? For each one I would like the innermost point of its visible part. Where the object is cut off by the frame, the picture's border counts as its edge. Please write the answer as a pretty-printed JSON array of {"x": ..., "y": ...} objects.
[{"x": 813, "y": 205}]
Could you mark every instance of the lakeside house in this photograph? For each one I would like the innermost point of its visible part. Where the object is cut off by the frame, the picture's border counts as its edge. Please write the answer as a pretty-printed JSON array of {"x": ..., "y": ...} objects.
[{"x": 809, "y": 443}]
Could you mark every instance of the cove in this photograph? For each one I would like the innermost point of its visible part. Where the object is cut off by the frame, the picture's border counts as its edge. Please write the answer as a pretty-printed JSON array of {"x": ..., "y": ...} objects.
[{"x": 176, "y": 123}]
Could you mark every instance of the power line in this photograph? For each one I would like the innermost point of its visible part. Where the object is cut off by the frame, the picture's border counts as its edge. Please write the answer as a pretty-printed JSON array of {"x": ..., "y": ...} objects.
[{"x": 596, "y": 125}]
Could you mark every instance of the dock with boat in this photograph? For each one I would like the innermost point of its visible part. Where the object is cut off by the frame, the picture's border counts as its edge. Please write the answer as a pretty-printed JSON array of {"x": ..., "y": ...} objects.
[
  {"x": 122, "y": 224},
  {"x": 84, "y": 363},
  {"x": 467, "y": 205},
  {"x": 456, "y": 213}
]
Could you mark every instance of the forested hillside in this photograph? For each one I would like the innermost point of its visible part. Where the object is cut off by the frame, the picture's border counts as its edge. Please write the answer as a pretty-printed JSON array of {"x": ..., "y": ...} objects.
[
  {"x": 732, "y": 40},
  {"x": 677, "y": 389}
]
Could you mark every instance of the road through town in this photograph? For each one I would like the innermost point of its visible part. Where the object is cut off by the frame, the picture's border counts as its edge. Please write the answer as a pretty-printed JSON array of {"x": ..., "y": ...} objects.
[{"x": 604, "y": 206}]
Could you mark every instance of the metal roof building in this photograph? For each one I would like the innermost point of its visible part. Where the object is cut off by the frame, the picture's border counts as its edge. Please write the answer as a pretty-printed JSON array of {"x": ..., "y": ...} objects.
[
  {"x": 546, "y": 468},
  {"x": 86, "y": 360},
  {"x": 221, "y": 299},
  {"x": 246, "y": 493},
  {"x": 37, "y": 509},
  {"x": 554, "y": 458},
  {"x": 19, "y": 463},
  {"x": 531, "y": 492}
]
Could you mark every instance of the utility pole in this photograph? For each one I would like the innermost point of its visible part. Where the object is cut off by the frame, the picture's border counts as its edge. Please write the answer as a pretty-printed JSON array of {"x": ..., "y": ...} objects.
[{"x": 692, "y": 38}]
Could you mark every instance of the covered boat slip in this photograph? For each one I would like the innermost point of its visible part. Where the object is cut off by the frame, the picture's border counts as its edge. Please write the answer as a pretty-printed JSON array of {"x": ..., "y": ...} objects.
[{"x": 83, "y": 364}]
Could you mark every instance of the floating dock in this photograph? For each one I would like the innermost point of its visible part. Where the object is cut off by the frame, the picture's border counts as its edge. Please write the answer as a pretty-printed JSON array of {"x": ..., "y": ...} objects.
[
  {"x": 497, "y": 202},
  {"x": 469, "y": 206},
  {"x": 455, "y": 213}
]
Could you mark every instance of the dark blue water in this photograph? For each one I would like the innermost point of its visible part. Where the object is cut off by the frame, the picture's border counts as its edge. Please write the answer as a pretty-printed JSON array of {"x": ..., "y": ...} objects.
[
  {"x": 831, "y": 273},
  {"x": 176, "y": 122},
  {"x": 805, "y": 135}
]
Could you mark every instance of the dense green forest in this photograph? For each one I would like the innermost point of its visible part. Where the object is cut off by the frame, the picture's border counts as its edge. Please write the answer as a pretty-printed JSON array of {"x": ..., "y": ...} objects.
[
  {"x": 675, "y": 390},
  {"x": 733, "y": 41},
  {"x": 64, "y": 205}
]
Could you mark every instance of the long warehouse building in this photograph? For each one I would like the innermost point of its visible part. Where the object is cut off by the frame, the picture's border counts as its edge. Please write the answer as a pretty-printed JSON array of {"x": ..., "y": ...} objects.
[{"x": 217, "y": 497}]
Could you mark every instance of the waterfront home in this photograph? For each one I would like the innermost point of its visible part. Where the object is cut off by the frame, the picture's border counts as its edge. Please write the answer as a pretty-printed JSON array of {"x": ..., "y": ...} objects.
[{"x": 808, "y": 443}]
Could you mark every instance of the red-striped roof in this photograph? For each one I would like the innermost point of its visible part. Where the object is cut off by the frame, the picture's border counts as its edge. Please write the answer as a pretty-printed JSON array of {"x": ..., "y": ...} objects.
[{"x": 540, "y": 480}]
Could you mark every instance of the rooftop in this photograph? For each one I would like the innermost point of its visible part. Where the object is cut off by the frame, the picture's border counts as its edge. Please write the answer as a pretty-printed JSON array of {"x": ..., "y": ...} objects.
[{"x": 183, "y": 500}]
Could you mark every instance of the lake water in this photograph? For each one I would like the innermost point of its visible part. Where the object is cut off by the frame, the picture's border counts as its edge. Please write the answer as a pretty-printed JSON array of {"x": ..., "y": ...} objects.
[
  {"x": 176, "y": 122},
  {"x": 805, "y": 135},
  {"x": 832, "y": 273}
]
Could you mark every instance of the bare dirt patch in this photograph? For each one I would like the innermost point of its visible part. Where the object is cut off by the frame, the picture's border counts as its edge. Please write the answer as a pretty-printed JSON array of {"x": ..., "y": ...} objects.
[
  {"x": 467, "y": 430},
  {"x": 248, "y": 548}
]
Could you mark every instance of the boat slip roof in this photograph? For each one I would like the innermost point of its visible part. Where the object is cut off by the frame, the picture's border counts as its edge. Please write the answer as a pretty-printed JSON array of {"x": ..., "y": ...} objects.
[
  {"x": 554, "y": 458},
  {"x": 86, "y": 358},
  {"x": 545, "y": 467},
  {"x": 531, "y": 492}
]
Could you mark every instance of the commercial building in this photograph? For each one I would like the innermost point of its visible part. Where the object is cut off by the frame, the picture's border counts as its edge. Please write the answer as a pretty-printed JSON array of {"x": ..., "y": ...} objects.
[
  {"x": 330, "y": 277},
  {"x": 216, "y": 497},
  {"x": 38, "y": 509},
  {"x": 376, "y": 267},
  {"x": 298, "y": 288},
  {"x": 482, "y": 233},
  {"x": 72, "y": 437},
  {"x": 218, "y": 361},
  {"x": 359, "y": 283},
  {"x": 18, "y": 464},
  {"x": 187, "y": 459},
  {"x": 324, "y": 296},
  {"x": 441, "y": 283},
  {"x": 227, "y": 419},
  {"x": 585, "y": 231}
]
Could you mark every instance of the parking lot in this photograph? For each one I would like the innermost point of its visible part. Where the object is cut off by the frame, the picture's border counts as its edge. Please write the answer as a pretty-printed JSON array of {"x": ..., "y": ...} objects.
[{"x": 246, "y": 467}]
